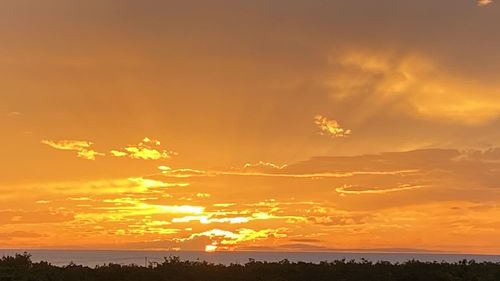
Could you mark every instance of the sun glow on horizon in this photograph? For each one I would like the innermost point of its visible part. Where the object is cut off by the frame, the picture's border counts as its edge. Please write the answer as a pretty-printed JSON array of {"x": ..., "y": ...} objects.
[{"x": 210, "y": 248}]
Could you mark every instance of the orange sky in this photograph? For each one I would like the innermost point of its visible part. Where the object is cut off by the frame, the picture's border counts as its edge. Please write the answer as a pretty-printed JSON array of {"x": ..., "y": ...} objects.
[{"x": 250, "y": 125}]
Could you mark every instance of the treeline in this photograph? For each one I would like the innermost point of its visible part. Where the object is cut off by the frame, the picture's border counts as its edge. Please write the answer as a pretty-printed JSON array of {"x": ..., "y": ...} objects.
[{"x": 21, "y": 268}]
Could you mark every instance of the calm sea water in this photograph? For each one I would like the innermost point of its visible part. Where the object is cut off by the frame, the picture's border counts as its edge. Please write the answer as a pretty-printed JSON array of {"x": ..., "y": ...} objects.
[{"x": 93, "y": 258}]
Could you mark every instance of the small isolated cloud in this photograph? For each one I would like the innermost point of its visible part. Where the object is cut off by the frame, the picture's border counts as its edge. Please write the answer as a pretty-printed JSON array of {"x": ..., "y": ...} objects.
[
  {"x": 330, "y": 127},
  {"x": 148, "y": 149},
  {"x": 482, "y": 3},
  {"x": 83, "y": 148}
]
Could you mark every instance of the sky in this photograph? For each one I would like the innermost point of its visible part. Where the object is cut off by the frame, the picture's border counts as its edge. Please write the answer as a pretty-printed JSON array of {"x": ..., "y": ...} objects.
[{"x": 234, "y": 125}]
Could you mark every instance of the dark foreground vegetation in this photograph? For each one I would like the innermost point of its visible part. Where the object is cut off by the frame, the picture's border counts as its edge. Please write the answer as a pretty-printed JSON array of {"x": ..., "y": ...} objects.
[{"x": 20, "y": 267}]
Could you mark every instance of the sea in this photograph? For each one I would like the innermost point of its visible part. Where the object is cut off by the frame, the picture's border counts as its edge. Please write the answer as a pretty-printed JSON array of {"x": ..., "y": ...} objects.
[{"x": 94, "y": 258}]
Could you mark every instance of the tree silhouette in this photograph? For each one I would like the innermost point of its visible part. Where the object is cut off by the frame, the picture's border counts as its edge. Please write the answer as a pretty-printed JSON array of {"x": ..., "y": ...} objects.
[{"x": 21, "y": 268}]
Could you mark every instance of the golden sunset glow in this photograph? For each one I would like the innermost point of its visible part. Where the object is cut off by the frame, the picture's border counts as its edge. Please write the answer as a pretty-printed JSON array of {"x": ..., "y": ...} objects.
[{"x": 246, "y": 126}]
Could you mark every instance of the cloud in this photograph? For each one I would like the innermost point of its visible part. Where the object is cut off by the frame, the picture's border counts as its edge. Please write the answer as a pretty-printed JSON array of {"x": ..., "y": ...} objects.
[
  {"x": 354, "y": 190},
  {"x": 410, "y": 84},
  {"x": 262, "y": 166},
  {"x": 153, "y": 183},
  {"x": 68, "y": 144},
  {"x": 482, "y": 3},
  {"x": 148, "y": 149},
  {"x": 183, "y": 172},
  {"x": 328, "y": 216},
  {"x": 330, "y": 127},
  {"x": 89, "y": 154},
  {"x": 208, "y": 219},
  {"x": 128, "y": 207},
  {"x": 275, "y": 171},
  {"x": 230, "y": 218},
  {"x": 384, "y": 194},
  {"x": 224, "y": 239},
  {"x": 83, "y": 148}
]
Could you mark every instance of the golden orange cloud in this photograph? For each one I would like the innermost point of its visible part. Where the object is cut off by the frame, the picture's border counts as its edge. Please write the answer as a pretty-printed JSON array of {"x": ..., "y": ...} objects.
[
  {"x": 414, "y": 82},
  {"x": 83, "y": 148},
  {"x": 148, "y": 149},
  {"x": 330, "y": 127}
]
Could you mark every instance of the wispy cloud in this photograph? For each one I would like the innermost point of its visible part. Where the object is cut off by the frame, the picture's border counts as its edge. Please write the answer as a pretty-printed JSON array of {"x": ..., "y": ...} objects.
[
  {"x": 354, "y": 190},
  {"x": 261, "y": 165},
  {"x": 148, "y": 149},
  {"x": 413, "y": 84},
  {"x": 276, "y": 171},
  {"x": 330, "y": 127},
  {"x": 83, "y": 148}
]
